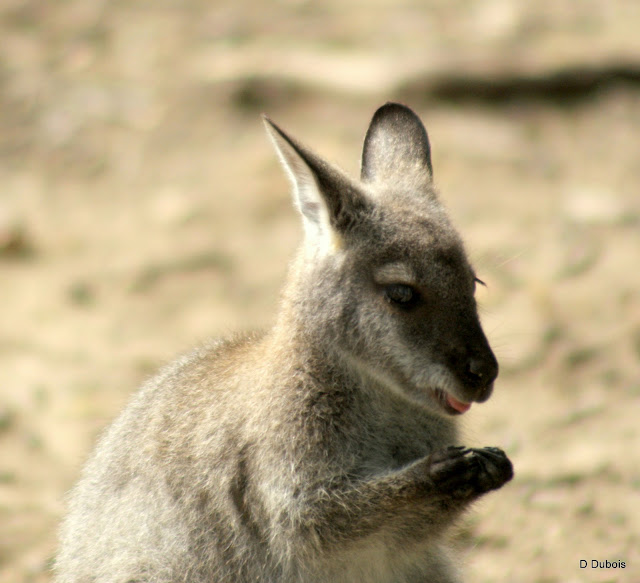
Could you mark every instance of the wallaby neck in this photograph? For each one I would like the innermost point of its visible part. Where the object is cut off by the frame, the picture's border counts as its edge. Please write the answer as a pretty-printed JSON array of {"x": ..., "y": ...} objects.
[{"x": 305, "y": 349}]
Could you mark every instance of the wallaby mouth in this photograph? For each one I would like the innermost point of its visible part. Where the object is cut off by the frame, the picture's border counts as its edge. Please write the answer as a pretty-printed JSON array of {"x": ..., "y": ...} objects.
[{"x": 450, "y": 404}]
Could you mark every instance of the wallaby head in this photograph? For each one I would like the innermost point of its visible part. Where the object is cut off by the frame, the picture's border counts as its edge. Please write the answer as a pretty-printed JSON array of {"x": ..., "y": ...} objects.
[{"x": 383, "y": 282}]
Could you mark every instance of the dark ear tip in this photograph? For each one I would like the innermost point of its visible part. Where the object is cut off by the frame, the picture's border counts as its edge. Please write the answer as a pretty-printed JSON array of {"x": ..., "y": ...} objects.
[
  {"x": 395, "y": 105},
  {"x": 273, "y": 127},
  {"x": 394, "y": 108},
  {"x": 267, "y": 120},
  {"x": 396, "y": 114}
]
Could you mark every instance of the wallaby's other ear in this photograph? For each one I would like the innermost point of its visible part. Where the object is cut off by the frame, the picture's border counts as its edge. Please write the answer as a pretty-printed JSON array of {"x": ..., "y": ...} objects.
[
  {"x": 396, "y": 147},
  {"x": 328, "y": 200}
]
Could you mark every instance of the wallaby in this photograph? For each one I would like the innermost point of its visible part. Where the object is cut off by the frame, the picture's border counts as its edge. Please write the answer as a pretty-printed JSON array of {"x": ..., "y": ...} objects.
[{"x": 324, "y": 450}]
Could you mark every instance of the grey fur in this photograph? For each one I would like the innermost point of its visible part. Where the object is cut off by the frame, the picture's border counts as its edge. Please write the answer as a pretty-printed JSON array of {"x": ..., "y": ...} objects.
[{"x": 323, "y": 450}]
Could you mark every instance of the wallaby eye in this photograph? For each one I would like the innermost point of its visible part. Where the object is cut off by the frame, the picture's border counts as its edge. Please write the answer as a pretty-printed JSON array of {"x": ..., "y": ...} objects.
[{"x": 401, "y": 294}]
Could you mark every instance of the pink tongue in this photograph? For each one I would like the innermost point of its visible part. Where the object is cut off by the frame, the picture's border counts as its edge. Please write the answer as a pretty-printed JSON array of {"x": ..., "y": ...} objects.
[{"x": 459, "y": 406}]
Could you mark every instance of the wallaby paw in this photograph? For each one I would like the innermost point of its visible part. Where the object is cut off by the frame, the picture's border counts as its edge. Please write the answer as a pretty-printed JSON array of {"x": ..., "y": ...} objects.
[{"x": 465, "y": 473}]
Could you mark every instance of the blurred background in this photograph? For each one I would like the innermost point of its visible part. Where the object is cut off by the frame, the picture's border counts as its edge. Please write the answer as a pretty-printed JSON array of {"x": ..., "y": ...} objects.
[{"x": 142, "y": 211}]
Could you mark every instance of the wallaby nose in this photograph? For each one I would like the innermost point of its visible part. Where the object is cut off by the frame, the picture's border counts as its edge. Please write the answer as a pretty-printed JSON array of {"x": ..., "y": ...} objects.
[{"x": 481, "y": 372}]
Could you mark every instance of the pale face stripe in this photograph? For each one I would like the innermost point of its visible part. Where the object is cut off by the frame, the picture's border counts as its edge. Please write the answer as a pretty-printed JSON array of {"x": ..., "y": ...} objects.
[{"x": 398, "y": 272}]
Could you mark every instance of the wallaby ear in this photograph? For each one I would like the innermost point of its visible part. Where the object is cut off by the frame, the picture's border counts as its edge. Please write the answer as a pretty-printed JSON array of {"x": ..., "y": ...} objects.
[
  {"x": 396, "y": 147},
  {"x": 330, "y": 203}
]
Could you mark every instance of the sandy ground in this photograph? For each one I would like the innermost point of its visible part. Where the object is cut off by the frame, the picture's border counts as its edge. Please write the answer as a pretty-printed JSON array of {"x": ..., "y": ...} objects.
[{"x": 142, "y": 211}]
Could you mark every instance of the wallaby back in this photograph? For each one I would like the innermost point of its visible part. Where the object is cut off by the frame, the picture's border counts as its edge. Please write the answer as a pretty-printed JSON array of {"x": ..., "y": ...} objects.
[{"x": 324, "y": 450}]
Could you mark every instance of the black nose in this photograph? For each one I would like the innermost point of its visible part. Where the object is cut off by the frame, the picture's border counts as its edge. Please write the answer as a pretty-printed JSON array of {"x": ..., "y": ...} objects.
[{"x": 481, "y": 372}]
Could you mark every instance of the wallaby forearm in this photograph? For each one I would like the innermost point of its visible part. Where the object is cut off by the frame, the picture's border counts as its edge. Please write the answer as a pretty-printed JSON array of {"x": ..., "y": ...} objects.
[{"x": 422, "y": 498}]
